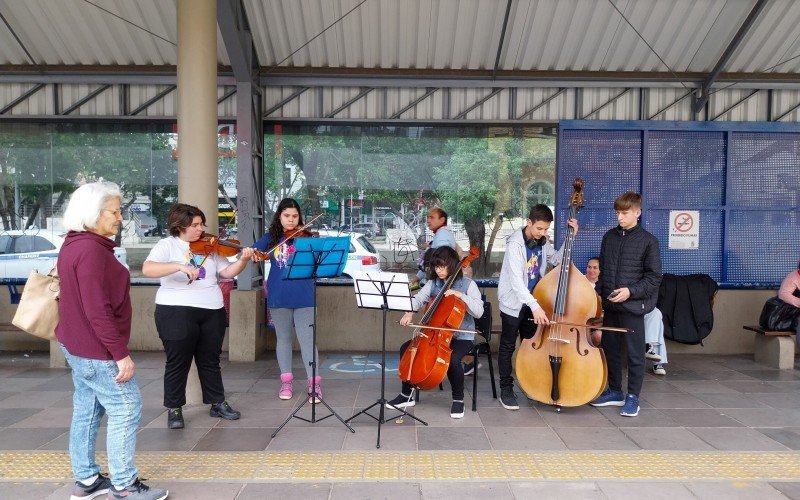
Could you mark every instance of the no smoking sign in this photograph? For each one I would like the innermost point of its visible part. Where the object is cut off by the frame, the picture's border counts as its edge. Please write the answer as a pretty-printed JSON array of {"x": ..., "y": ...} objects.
[{"x": 684, "y": 229}]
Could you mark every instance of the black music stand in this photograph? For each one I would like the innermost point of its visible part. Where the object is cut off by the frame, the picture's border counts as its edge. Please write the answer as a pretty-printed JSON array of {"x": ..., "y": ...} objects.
[
  {"x": 387, "y": 292},
  {"x": 316, "y": 258}
]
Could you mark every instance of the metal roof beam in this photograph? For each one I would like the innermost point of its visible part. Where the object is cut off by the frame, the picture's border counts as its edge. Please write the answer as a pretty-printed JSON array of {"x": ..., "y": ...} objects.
[
  {"x": 477, "y": 104},
  {"x": 544, "y": 102},
  {"x": 702, "y": 99},
  {"x": 610, "y": 101},
  {"x": 22, "y": 98},
  {"x": 414, "y": 103},
  {"x": 153, "y": 100},
  {"x": 349, "y": 102},
  {"x": 393, "y": 78},
  {"x": 227, "y": 95},
  {"x": 665, "y": 108},
  {"x": 91, "y": 95},
  {"x": 735, "y": 105},
  {"x": 787, "y": 112},
  {"x": 502, "y": 38},
  {"x": 232, "y": 22},
  {"x": 284, "y": 102}
]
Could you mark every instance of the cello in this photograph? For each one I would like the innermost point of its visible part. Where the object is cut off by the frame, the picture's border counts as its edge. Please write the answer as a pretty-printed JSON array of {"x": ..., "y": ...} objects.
[
  {"x": 560, "y": 366},
  {"x": 425, "y": 362}
]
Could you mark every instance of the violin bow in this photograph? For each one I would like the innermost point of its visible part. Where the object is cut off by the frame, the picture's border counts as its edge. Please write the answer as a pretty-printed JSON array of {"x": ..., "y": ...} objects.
[{"x": 296, "y": 231}]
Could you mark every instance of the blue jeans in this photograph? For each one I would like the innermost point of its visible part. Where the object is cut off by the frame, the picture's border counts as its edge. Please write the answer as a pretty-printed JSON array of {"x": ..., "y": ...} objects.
[{"x": 97, "y": 393}]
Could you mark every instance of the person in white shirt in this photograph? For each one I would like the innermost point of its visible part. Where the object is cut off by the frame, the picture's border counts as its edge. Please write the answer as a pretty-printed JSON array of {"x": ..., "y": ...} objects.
[{"x": 190, "y": 313}]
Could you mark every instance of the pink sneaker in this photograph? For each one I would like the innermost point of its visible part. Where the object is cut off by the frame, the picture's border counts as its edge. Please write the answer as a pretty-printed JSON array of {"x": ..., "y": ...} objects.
[
  {"x": 317, "y": 388},
  {"x": 285, "y": 391}
]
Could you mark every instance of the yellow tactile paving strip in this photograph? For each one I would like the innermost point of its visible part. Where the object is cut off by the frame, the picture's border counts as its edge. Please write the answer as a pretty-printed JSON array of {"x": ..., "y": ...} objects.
[{"x": 421, "y": 466}]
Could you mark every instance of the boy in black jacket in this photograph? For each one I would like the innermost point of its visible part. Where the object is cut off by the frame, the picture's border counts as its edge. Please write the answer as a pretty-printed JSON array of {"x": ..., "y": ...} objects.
[{"x": 630, "y": 274}]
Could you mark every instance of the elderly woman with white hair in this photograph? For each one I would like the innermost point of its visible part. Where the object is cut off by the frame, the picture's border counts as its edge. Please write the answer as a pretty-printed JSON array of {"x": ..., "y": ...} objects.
[{"x": 94, "y": 330}]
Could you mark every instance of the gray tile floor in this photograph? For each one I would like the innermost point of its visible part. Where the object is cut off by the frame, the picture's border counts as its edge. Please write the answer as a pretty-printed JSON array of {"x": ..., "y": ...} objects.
[{"x": 704, "y": 402}]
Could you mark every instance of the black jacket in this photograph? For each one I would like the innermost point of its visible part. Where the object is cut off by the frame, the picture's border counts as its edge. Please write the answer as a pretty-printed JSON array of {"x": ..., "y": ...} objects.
[
  {"x": 630, "y": 258},
  {"x": 685, "y": 303}
]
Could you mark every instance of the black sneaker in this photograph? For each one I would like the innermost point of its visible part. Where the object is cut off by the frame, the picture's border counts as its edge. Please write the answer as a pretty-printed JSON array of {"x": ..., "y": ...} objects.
[
  {"x": 175, "y": 418},
  {"x": 224, "y": 410},
  {"x": 457, "y": 409},
  {"x": 401, "y": 401},
  {"x": 100, "y": 486},
  {"x": 138, "y": 491},
  {"x": 508, "y": 399}
]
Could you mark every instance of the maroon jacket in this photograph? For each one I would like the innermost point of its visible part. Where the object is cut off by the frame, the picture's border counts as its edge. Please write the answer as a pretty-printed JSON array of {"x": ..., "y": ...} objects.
[{"x": 95, "y": 301}]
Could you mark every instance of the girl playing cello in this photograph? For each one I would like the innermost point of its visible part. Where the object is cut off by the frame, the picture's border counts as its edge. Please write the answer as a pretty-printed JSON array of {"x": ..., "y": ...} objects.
[{"x": 444, "y": 262}]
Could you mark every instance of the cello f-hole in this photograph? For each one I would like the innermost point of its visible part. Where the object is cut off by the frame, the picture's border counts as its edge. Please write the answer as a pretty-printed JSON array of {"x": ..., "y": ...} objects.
[{"x": 578, "y": 348}]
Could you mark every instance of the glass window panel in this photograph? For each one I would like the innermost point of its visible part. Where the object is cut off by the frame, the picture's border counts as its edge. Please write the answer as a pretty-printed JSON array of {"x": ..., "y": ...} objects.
[
  {"x": 42, "y": 164},
  {"x": 383, "y": 180}
]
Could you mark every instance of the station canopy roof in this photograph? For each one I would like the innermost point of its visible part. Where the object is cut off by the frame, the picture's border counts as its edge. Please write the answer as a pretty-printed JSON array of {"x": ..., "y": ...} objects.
[{"x": 588, "y": 42}]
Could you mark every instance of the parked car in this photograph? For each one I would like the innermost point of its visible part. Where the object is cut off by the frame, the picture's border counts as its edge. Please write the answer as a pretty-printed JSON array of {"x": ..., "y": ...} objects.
[
  {"x": 23, "y": 251},
  {"x": 362, "y": 256}
]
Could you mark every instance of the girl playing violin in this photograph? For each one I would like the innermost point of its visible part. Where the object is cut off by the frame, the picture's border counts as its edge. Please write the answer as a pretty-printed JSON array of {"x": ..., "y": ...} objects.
[
  {"x": 190, "y": 315},
  {"x": 290, "y": 302},
  {"x": 443, "y": 262}
]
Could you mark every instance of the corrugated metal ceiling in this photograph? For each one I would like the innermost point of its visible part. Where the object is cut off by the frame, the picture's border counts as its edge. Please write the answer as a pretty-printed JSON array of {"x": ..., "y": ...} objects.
[
  {"x": 566, "y": 35},
  {"x": 543, "y": 35}
]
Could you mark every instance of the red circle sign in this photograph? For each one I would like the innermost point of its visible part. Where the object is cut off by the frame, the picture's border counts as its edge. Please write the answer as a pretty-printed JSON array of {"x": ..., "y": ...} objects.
[{"x": 683, "y": 222}]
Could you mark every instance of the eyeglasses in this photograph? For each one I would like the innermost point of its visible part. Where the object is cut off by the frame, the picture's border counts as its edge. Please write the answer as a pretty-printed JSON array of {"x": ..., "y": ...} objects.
[
  {"x": 116, "y": 213},
  {"x": 198, "y": 225}
]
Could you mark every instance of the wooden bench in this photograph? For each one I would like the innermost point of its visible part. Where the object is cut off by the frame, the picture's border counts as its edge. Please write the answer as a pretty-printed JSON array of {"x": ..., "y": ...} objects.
[{"x": 773, "y": 347}]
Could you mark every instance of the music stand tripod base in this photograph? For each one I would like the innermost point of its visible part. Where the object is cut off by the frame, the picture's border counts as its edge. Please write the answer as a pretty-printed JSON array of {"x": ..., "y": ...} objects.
[
  {"x": 385, "y": 291},
  {"x": 313, "y": 258}
]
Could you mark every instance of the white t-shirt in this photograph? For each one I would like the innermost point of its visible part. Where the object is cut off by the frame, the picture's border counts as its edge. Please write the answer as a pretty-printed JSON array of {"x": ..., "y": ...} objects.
[{"x": 175, "y": 289}]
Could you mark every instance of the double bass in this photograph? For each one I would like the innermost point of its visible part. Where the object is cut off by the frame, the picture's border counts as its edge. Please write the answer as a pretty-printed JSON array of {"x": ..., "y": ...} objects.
[
  {"x": 560, "y": 366},
  {"x": 425, "y": 362}
]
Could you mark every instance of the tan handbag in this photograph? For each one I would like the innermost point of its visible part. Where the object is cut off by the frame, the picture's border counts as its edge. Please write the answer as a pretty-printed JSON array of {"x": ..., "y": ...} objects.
[{"x": 37, "y": 312}]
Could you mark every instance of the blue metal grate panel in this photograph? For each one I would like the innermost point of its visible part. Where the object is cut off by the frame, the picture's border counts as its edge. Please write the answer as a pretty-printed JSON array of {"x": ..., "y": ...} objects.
[
  {"x": 594, "y": 222},
  {"x": 707, "y": 258},
  {"x": 762, "y": 246},
  {"x": 765, "y": 170},
  {"x": 594, "y": 155},
  {"x": 751, "y": 172},
  {"x": 691, "y": 164}
]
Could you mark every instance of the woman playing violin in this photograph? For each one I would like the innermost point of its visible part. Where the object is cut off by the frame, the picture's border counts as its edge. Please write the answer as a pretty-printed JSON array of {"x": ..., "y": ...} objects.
[
  {"x": 189, "y": 315},
  {"x": 290, "y": 302},
  {"x": 443, "y": 262}
]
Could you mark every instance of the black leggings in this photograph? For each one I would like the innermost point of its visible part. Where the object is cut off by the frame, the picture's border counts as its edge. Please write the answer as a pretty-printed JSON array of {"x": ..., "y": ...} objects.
[{"x": 455, "y": 373}]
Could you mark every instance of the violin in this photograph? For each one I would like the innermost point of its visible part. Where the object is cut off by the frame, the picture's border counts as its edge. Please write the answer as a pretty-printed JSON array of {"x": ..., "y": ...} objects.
[
  {"x": 425, "y": 362},
  {"x": 298, "y": 232},
  {"x": 305, "y": 233},
  {"x": 560, "y": 365},
  {"x": 209, "y": 244}
]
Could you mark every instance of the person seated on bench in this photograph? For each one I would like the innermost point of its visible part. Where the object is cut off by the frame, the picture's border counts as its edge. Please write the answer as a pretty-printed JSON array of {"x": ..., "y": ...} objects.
[
  {"x": 782, "y": 313},
  {"x": 790, "y": 294}
]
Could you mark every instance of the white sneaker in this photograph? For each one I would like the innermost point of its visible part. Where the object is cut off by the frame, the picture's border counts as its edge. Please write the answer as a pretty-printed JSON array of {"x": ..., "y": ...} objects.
[
  {"x": 659, "y": 369},
  {"x": 651, "y": 354}
]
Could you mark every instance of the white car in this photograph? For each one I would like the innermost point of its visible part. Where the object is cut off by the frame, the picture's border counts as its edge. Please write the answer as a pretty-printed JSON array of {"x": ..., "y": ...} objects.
[
  {"x": 23, "y": 251},
  {"x": 362, "y": 256}
]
